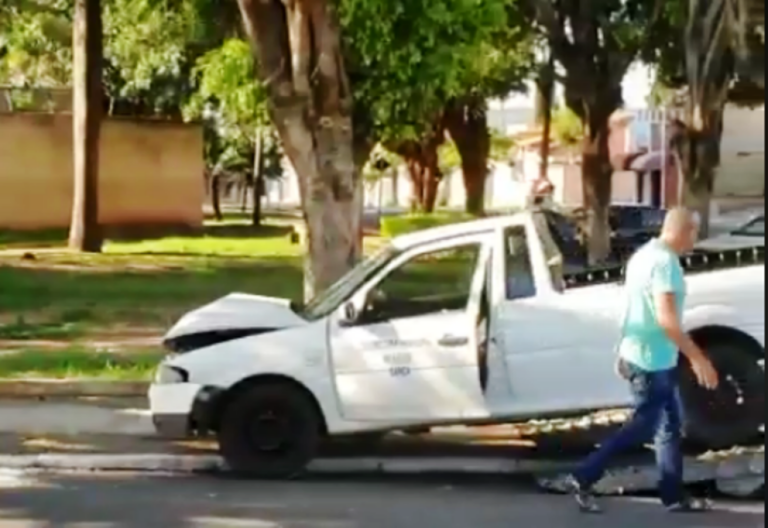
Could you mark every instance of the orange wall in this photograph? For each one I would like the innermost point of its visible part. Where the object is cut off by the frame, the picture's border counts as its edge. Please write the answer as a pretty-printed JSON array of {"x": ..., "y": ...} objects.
[{"x": 151, "y": 173}]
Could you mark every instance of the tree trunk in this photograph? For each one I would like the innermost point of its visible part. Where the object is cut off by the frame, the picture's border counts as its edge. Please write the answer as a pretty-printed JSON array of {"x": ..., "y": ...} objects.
[
  {"x": 216, "y": 196},
  {"x": 416, "y": 172},
  {"x": 597, "y": 174},
  {"x": 467, "y": 125},
  {"x": 258, "y": 177},
  {"x": 700, "y": 157},
  {"x": 432, "y": 176},
  {"x": 299, "y": 54},
  {"x": 546, "y": 92},
  {"x": 362, "y": 148},
  {"x": 710, "y": 66},
  {"x": 422, "y": 162},
  {"x": 85, "y": 232}
]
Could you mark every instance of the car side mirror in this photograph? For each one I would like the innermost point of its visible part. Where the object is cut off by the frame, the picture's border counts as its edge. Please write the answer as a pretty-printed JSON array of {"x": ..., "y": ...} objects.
[{"x": 349, "y": 315}]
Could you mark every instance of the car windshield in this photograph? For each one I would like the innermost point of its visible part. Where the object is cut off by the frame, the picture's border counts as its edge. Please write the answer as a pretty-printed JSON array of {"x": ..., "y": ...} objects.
[
  {"x": 330, "y": 299},
  {"x": 755, "y": 228}
]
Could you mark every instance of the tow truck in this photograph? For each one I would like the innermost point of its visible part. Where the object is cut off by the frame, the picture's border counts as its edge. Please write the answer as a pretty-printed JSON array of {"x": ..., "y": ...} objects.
[{"x": 472, "y": 324}]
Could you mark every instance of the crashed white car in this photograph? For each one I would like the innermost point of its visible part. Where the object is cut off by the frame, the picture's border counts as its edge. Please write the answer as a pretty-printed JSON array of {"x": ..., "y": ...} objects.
[
  {"x": 472, "y": 323},
  {"x": 749, "y": 235}
]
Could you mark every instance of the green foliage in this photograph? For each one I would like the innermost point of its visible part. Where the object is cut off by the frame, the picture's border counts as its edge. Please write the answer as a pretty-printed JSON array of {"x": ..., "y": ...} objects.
[
  {"x": 226, "y": 81},
  {"x": 449, "y": 157},
  {"x": 567, "y": 128},
  {"x": 407, "y": 58},
  {"x": 37, "y": 41},
  {"x": 669, "y": 56},
  {"x": 501, "y": 146},
  {"x": 145, "y": 50},
  {"x": 150, "y": 47},
  {"x": 380, "y": 162},
  {"x": 233, "y": 104},
  {"x": 595, "y": 43},
  {"x": 392, "y": 226}
]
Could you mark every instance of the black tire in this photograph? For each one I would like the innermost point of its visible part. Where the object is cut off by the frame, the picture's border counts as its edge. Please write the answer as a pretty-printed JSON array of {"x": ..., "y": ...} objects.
[
  {"x": 733, "y": 414},
  {"x": 270, "y": 431}
]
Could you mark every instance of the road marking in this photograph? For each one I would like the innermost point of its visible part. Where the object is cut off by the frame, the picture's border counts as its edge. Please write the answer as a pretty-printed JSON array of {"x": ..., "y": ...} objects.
[{"x": 230, "y": 522}]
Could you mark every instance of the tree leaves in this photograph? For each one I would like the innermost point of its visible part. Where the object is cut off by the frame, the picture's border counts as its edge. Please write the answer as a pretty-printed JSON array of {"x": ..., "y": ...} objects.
[
  {"x": 226, "y": 81},
  {"x": 407, "y": 58}
]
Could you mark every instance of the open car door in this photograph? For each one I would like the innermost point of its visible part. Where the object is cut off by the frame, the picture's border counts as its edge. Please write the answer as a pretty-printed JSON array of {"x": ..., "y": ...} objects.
[{"x": 411, "y": 353}]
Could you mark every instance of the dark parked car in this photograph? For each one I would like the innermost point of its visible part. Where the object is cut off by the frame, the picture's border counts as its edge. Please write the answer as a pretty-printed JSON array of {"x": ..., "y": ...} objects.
[{"x": 631, "y": 227}]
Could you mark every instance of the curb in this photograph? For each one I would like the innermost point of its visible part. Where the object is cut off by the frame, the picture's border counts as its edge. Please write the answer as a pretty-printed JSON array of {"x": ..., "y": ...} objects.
[
  {"x": 631, "y": 479},
  {"x": 50, "y": 388},
  {"x": 192, "y": 464},
  {"x": 33, "y": 417}
]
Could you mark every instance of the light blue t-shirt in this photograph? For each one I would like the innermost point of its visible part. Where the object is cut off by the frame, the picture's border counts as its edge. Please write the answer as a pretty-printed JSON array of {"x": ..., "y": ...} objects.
[{"x": 655, "y": 269}]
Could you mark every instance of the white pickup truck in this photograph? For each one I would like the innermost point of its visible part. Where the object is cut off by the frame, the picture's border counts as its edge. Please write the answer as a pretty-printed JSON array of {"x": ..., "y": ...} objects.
[{"x": 474, "y": 323}]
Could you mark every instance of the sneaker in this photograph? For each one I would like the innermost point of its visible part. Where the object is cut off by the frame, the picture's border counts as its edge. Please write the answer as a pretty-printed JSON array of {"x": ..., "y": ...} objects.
[
  {"x": 585, "y": 499},
  {"x": 691, "y": 506}
]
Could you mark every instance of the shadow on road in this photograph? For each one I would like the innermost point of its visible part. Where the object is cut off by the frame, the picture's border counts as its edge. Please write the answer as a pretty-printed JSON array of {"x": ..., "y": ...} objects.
[{"x": 127, "y": 501}]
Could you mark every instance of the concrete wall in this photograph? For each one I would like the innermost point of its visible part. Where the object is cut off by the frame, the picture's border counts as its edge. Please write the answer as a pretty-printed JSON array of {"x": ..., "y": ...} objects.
[
  {"x": 151, "y": 173},
  {"x": 742, "y": 167}
]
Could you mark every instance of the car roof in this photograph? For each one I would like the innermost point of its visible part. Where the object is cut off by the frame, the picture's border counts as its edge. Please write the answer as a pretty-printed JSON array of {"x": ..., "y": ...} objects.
[{"x": 470, "y": 227}]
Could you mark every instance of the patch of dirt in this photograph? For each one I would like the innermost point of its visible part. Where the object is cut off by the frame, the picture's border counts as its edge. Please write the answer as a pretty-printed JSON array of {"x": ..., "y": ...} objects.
[
  {"x": 11, "y": 444},
  {"x": 103, "y": 266},
  {"x": 104, "y": 343}
]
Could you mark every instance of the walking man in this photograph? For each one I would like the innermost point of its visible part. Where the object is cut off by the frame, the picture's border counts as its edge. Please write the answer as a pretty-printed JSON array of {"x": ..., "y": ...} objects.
[{"x": 652, "y": 338}]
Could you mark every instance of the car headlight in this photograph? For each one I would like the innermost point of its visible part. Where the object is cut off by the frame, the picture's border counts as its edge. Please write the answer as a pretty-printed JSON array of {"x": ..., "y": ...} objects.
[{"x": 167, "y": 375}]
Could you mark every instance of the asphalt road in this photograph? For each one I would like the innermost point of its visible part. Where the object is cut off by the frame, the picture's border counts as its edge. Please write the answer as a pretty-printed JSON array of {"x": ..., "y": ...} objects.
[{"x": 127, "y": 501}]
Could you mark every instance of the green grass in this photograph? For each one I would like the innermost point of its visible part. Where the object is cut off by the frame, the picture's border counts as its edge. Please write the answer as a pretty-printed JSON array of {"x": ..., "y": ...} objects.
[
  {"x": 77, "y": 362},
  {"x": 55, "y": 304},
  {"x": 136, "y": 289},
  {"x": 392, "y": 226},
  {"x": 144, "y": 282}
]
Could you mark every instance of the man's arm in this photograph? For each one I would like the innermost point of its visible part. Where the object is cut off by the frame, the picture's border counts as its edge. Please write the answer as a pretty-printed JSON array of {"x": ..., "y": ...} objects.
[
  {"x": 666, "y": 313},
  {"x": 664, "y": 294}
]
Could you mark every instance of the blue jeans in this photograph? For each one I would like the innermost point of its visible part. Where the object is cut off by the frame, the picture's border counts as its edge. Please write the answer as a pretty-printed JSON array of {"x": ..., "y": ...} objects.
[{"x": 658, "y": 413}]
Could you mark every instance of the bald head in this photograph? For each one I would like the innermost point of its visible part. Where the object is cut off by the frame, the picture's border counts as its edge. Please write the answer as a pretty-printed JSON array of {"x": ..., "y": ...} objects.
[{"x": 681, "y": 229}]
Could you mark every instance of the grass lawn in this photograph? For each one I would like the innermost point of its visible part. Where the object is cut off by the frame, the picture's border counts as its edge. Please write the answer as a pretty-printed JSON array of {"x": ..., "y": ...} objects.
[
  {"x": 54, "y": 304},
  {"x": 77, "y": 361}
]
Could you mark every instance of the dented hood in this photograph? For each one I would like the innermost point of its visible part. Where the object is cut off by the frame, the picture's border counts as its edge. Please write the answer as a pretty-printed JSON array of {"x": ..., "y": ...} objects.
[{"x": 237, "y": 311}]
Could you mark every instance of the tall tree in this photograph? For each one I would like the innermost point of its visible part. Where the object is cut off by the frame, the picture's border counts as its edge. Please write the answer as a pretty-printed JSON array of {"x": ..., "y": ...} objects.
[
  {"x": 85, "y": 232},
  {"x": 595, "y": 43},
  {"x": 505, "y": 61},
  {"x": 545, "y": 100},
  {"x": 299, "y": 53},
  {"x": 421, "y": 68},
  {"x": 719, "y": 59}
]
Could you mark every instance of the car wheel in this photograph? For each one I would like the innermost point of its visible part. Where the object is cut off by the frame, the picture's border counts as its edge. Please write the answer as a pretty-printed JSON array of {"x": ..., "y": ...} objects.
[
  {"x": 270, "y": 431},
  {"x": 734, "y": 414}
]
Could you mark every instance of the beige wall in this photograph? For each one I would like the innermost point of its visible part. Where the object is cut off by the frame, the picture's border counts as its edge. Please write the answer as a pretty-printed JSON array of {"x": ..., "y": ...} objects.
[
  {"x": 742, "y": 167},
  {"x": 151, "y": 173}
]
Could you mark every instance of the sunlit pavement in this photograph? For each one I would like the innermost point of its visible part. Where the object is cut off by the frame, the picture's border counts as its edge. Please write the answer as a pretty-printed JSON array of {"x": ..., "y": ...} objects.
[{"x": 127, "y": 501}]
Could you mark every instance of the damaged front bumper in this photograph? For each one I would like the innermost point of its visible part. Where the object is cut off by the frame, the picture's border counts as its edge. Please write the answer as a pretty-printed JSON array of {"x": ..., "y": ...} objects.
[{"x": 184, "y": 410}]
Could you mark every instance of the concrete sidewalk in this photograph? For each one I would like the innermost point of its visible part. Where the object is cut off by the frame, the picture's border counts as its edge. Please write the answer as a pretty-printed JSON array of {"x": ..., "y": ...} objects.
[{"x": 74, "y": 416}]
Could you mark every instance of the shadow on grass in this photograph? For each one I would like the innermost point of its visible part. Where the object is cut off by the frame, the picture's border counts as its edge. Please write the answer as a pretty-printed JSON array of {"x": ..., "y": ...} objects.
[
  {"x": 229, "y": 228},
  {"x": 149, "y": 291},
  {"x": 36, "y": 238},
  {"x": 21, "y": 330}
]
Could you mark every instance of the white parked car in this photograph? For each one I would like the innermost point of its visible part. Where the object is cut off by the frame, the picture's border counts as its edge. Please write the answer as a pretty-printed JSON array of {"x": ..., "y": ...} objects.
[
  {"x": 749, "y": 235},
  {"x": 466, "y": 324}
]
